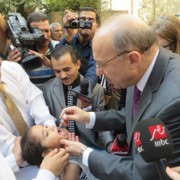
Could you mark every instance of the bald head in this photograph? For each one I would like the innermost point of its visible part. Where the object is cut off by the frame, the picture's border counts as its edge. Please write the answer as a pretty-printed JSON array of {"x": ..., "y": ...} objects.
[
  {"x": 124, "y": 46},
  {"x": 125, "y": 32}
]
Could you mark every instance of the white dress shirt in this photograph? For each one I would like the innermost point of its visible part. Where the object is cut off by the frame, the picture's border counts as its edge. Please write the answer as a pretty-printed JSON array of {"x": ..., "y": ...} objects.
[
  {"x": 44, "y": 174},
  {"x": 7, "y": 173},
  {"x": 30, "y": 102}
]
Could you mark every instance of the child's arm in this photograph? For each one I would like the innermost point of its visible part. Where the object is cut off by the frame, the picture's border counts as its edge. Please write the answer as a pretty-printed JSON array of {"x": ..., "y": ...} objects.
[{"x": 71, "y": 172}]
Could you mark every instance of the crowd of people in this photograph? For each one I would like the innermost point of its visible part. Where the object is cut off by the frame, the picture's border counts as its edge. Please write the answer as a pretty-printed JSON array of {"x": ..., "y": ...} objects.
[{"x": 47, "y": 131}]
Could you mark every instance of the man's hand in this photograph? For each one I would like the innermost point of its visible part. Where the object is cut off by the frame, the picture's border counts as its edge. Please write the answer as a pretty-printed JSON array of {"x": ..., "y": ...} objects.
[
  {"x": 73, "y": 137},
  {"x": 173, "y": 173},
  {"x": 14, "y": 55},
  {"x": 74, "y": 113},
  {"x": 55, "y": 161},
  {"x": 68, "y": 16},
  {"x": 73, "y": 147},
  {"x": 17, "y": 151},
  {"x": 43, "y": 58}
]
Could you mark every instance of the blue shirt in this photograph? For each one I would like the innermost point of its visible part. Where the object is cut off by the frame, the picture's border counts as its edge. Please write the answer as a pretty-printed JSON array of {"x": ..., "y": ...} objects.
[
  {"x": 84, "y": 53},
  {"x": 42, "y": 74}
]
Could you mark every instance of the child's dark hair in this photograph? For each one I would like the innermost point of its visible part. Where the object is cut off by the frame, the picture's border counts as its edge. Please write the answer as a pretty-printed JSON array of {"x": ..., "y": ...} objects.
[{"x": 31, "y": 149}]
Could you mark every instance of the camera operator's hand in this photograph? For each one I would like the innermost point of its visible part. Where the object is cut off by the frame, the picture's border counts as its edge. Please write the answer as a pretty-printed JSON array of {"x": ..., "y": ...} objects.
[
  {"x": 68, "y": 16},
  {"x": 74, "y": 113},
  {"x": 45, "y": 61},
  {"x": 14, "y": 55}
]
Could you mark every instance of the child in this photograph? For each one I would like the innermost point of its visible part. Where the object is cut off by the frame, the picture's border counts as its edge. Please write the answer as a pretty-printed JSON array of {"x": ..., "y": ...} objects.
[{"x": 38, "y": 141}]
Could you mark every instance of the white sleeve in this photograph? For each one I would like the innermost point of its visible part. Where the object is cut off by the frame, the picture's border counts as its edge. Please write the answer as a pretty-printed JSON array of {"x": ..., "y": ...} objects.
[
  {"x": 45, "y": 175},
  {"x": 6, "y": 145},
  {"x": 6, "y": 141},
  {"x": 11, "y": 161},
  {"x": 5, "y": 170},
  {"x": 92, "y": 120},
  {"x": 85, "y": 156},
  {"x": 38, "y": 109}
]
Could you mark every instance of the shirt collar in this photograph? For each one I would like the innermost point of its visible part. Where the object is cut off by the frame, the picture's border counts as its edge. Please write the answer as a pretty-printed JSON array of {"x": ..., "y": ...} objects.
[
  {"x": 142, "y": 82},
  {"x": 78, "y": 39},
  {"x": 75, "y": 83}
]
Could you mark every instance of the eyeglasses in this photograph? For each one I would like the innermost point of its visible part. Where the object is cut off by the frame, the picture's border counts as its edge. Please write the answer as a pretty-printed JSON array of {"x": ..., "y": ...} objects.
[
  {"x": 168, "y": 45},
  {"x": 99, "y": 66}
]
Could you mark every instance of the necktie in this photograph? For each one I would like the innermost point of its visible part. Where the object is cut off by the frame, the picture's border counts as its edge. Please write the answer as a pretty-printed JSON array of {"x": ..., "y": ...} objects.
[
  {"x": 13, "y": 111},
  {"x": 71, "y": 125},
  {"x": 137, "y": 95}
]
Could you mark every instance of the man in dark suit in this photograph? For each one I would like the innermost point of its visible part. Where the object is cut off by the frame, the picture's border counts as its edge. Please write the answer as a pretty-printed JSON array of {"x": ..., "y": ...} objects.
[
  {"x": 66, "y": 65},
  {"x": 127, "y": 53}
]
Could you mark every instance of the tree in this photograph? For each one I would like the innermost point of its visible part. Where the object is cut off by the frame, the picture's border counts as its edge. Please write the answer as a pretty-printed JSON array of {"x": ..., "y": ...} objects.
[
  {"x": 150, "y": 9},
  {"x": 24, "y": 7},
  {"x": 75, "y": 5}
]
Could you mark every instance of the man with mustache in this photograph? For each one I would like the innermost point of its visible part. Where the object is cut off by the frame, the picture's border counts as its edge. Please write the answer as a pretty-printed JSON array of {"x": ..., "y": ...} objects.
[
  {"x": 65, "y": 64},
  {"x": 42, "y": 74},
  {"x": 82, "y": 41}
]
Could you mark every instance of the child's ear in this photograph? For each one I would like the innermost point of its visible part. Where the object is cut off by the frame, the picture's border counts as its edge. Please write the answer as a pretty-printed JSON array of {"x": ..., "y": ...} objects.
[{"x": 46, "y": 152}]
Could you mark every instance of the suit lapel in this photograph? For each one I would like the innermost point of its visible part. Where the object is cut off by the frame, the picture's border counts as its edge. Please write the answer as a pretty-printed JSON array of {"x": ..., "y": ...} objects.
[{"x": 59, "y": 93}]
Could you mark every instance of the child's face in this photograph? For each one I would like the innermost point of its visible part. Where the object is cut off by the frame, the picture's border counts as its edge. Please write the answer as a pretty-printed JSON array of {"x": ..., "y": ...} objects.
[{"x": 49, "y": 136}]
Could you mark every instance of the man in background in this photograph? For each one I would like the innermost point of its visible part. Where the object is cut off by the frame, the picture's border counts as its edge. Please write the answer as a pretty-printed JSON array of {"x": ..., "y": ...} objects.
[
  {"x": 81, "y": 41},
  {"x": 66, "y": 66},
  {"x": 43, "y": 73},
  {"x": 56, "y": 33}
]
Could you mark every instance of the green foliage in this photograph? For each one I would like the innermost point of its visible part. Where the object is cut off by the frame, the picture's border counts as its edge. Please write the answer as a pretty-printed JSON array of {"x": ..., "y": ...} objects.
[
  {"x": 22, "y": 6},
  {"x": 75, "y": 5},
  {"x": 6, "y": 7}
]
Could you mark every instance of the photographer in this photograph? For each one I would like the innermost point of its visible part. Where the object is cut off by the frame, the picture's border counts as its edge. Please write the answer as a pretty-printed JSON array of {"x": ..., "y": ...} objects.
[
  {"x": 42, "y": 74},
  {"x": 87, "y": 24}
]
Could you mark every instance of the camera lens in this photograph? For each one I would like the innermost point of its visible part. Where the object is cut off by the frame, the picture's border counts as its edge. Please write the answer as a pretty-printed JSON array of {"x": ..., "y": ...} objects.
[
  {"x": 74, "y": 24},
  {"x": 85, "y": 24}
]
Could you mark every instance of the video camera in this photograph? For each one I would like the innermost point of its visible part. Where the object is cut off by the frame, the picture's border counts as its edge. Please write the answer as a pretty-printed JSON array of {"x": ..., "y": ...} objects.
[
  {"x": 75, "y": 24},
  {"x": 24, "y": 39}
]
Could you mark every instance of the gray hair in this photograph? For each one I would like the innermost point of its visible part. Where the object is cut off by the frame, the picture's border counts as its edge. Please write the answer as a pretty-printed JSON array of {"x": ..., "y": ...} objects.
[
  {"x": 128, "y": 33},
  {"x": 139, "y": 39},
  {"x": 53, "y": 25}
]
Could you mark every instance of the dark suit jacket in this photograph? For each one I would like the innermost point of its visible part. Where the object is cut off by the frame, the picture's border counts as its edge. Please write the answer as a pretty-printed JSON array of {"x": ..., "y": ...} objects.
[
  {"x": 54, "y": 96},
  {"x": 160, "y": 99}
]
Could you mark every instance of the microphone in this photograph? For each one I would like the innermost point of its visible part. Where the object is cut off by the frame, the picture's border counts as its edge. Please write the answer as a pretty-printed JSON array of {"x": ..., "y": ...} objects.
[
  {"x": 119, "y": 146},
  {"x": 83, "y": 91},
  {"x": 154, "y": 143}
]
